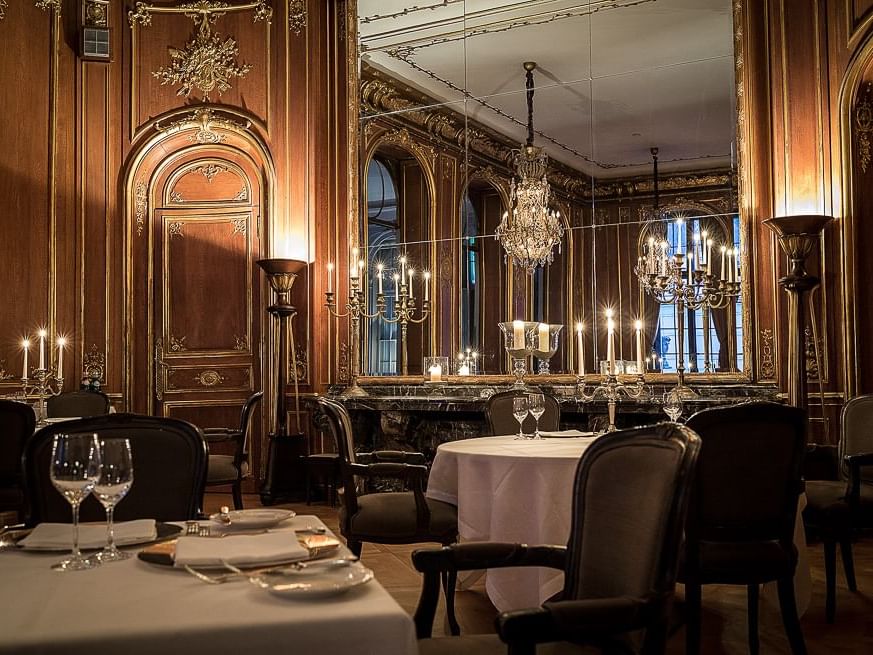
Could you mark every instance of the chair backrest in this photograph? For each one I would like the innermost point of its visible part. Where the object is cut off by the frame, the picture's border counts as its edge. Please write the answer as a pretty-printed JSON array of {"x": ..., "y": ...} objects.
[
  {"x": 77, "y": 403},
  {"x": 749, "y": 474},
  {"x": 169, "y": 464},
  {"x": 245, "y": 419},
  {"x": 856, "y": 426},
  {"x": 340, "y": 425},
  {"x": 17, "y": 422},
  {"x": 498, "y": 411},
  {"x": 629, "y": 505}
]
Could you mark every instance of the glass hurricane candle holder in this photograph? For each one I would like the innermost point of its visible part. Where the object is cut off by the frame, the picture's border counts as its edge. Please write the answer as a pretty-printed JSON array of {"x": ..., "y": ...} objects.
[
  {"x": 436, "y": 369},
  {"x": 544, "y": 344},
  {"x": 517, "y": 343}
]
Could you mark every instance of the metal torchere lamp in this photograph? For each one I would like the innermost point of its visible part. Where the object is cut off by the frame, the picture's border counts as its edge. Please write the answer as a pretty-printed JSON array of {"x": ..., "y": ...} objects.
[
  {"x": 281, "y": 274},
  {"x": 798, "y": 236}
]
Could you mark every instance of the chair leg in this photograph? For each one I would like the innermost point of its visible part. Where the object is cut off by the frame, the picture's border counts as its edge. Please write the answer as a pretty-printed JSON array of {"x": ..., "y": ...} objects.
[
  {"x": 830, "y": 557},
  {"x": 655, "y": 641},
  {"x": 848, "y": 563},
  {"x": 788, "y": 607},
  {"x": 450, "y": 581},
  {"x": 355, "y": 546},
  {"x": 237, "y": 495},
  {"x": 753, "y": 595},
  {"x": 308, "y": 484},
  {"x": 693, "y": 602}
]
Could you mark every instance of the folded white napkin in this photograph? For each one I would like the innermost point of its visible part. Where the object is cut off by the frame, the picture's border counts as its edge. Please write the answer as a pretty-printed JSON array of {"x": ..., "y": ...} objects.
[
  {"x": 54, "y": 536},
  {"x": 240, "y": 550},
  {"x": 565, "y": 433}
]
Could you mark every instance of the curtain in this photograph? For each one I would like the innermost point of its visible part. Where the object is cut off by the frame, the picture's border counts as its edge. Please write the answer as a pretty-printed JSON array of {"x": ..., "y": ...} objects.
[{"x": 721, "y": 323}]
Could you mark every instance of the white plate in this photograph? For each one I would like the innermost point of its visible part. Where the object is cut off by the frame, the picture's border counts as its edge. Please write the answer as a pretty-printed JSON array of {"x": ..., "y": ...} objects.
[
  {"x": 248, "y": 519},
  {"x": 313, "y": 581}
]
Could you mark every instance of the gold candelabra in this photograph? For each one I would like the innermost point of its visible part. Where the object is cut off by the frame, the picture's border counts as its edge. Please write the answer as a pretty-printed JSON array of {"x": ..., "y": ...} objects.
[{"x": 43, "y": 384}]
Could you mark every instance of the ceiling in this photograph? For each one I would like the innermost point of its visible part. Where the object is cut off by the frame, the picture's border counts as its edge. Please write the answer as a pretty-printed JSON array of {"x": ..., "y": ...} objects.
[{"x": 614, "y": 78}]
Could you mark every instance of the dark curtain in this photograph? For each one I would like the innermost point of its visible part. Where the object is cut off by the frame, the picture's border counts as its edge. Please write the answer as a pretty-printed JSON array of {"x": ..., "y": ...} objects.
[{"x": 720, "y": 320}]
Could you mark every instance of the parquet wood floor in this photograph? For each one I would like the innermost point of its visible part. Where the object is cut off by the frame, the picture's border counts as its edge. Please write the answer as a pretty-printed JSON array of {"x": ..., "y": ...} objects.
[{"x": 724, "y": 619}]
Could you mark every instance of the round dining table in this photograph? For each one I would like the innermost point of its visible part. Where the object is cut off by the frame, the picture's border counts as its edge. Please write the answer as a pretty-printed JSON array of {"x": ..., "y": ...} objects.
[{"x": 521, "y": 491}]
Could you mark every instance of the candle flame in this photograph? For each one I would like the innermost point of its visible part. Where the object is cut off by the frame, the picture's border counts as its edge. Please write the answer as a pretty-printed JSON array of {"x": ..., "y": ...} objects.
[
  {"x": 42, "y": 333},
  {"x": 62, "y": 342},
  {"x": 609, "y": 312},
  {"x": 330, "y": 267},
  {"x": 427, "y": 275},
  {"x": 403, "y": 259},
  {"x": 25, "y": 343},
  {"x": 579, "y": 326},
  {"x": 638, "y": 325},
  {"x": 380, "y": 267}
]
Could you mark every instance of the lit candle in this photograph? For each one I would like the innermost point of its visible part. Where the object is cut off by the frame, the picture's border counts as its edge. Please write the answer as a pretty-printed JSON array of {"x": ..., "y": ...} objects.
[
  {"x": 679, "y": 225},
  {"x": 379, "y": 276},
  {"x": 427, "y": 285},
  {"x": 723, "y": 253},
  {"x": 704, "y": 254},
  {"x": 654, "y": 357},
  {"x": 708, "y": 256},
  {"x": 361, "y": 266},
  {"x": 518, "y": 335},
  {"x": 396, "y": 287},
  {"x": 62, "y": 342},
  {"x": 610, "y": 343},
  {"x": 696, "y": 239},
  {"x": 403, "y": 267},
  {"x": 411, "y": 275},
  {"x": 330, "y": 277},
  {"x": 436, "y": 373},
  {"x": 690, "y": 266},
  {"x": 580, "y": 348},
  {"x": 638, "y": 326},
  {"x": 41, "y": 335},
  {"x": 26, "y": 345},
  {"x": 664, "y": 247},
  {"x": 464, "y": 369},
  {"x": 543, "y": 337},
  {"x": 737, "y": 264},
  {"x": 353, "y": 265}
]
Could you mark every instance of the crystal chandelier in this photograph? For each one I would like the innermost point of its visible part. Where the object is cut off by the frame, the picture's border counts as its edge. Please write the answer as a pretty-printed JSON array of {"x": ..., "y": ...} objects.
[{"x": 530, "y": 231}]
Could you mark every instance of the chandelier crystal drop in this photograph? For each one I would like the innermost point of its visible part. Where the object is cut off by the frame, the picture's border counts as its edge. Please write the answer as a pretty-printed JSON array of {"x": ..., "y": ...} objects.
[{"x": 530, "y": 231}]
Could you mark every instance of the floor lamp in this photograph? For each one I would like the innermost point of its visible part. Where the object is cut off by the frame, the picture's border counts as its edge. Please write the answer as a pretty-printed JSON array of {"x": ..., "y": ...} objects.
[
  {"x": 798, "y": 237},
  {"x": 281, "y": 274}
]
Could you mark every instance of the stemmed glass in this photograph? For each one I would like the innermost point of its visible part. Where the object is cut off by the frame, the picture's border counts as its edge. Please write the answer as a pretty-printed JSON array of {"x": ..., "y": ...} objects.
[
  {"x": 536, "y": 403},
  {"x": 519, "y": 411},
  {"x": 116, "y": 478},
  {"x": 75, "y": 467},
  {"x": 673, "y": 405}
]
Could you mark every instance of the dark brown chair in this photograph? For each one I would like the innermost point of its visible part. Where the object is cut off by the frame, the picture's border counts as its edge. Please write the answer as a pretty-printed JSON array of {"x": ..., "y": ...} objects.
[
  {"x": 629, "y": 503},
  {"x": 741, "y": 519},
  {"x": 17, "y": 422},
  {"x": 386, "y": 517},
  {"x": 232, "y": 469},
  {"x": 169, "y": 463},
  {"x": 842, "y": 504},
  {"x": 498, "y": 411},
  {"x": 77, "y": 403}
]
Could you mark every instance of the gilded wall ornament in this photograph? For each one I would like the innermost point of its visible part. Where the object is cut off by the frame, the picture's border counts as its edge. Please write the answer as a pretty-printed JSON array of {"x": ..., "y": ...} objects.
[
  {"x": 54, "y": 5},
  {"x": 140, "y": 205},
  {"x": 177, "y": 344},
  {"x": 2, "y": 9},
  {"x": 175, "y": 196},
  {"x": 297, "y": 16},
  {"x": 767, "y": 366},
  {"x": 209, "y": 378},
  {"x": 242, "y": 343},
  {"x": 864, "y": 125},
  {"x": 209, "y": 171},
  {"x": 176, "y": 230},
  {"x": 96, "y": 13},
  {"x": 205, "y": 120},
  {"x": 300, "y": 372},
  {"x": 159, "y": 368},
  {"x": 240, "y": 226},
  {"x": 4, "y": 374},
  {"x": 809, "y": 345},
  {"x": 94, "y": 366}
]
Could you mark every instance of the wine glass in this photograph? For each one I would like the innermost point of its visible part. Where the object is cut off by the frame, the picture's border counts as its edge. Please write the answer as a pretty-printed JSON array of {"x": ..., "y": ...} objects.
[
  {"x": 673, "y": 405},
  {"x": 519, "y": 411},
  {"x": 536, "y": 403},
  {"x": 116, "y": 478},
  {"x": 75, "y": 467}
]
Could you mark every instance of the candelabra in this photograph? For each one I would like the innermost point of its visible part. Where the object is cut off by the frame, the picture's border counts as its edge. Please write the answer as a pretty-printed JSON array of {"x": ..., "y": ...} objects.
[
  {"x": 44, "y": 384},
  {"x": 798, "y": 236},
  {"x": 611, "y": 389},
  {"x": 673, "y": 280},
  {"x": 356, "y": 309}
]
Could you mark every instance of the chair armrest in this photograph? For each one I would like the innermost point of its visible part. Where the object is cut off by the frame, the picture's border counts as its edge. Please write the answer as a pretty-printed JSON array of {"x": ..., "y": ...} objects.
[
  {"x": 855, "y": 462},
  {"x": 397, "y": 456},
  {"x": 472, "y": 556},
  {"x": 574, "y": 620},
  {"x": 397, "y": 470},
  {"x": 216, "y": 435},
  {"x": 821, "y": 462}
]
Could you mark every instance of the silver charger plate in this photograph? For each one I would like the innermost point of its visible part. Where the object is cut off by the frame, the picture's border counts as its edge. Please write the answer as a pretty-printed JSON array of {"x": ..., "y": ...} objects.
[{"x": 313, "y": 581}]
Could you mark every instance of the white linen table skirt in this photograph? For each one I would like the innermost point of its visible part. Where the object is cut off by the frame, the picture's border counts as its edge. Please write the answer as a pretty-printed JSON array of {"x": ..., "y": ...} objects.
[{"x": 136, "y": 608}]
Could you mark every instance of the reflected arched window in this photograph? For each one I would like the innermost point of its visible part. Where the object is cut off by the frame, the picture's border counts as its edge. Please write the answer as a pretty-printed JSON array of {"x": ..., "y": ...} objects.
[
  {"x": 471, "y": 273},
  {"x": 383, "y": 234}
]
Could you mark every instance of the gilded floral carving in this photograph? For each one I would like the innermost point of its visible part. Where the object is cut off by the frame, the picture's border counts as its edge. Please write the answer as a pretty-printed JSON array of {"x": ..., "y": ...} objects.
[
  {"x": 297, "y": 16},
  {"x": 864, "y": 125},
  {"x": 140, "y": 205},
  {"x": 2, "y": 9},
  {"x": 176, "y": 230},
  {"x": 768, "y": 364}
]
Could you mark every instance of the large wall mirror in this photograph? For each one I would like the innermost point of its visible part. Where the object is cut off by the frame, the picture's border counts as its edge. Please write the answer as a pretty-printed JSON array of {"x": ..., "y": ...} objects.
[{"x": 634, "y": 104}]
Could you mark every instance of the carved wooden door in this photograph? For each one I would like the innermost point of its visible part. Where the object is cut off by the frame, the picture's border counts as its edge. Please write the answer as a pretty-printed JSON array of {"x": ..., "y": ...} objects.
[{"x": 205, "y": 293}]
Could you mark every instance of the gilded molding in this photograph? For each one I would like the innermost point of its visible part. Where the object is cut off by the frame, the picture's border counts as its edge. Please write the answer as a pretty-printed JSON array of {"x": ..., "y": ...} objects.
[
  {"x": 209, "y": 378},
  {"x": 142, "y": 12},
  {"x": 205, "y": 120},
  {"x": 209, "y": 171},
  {"x": 3, "y": 6},
  {"x": 140, "y": 204},
  {"x": 54, "y": 5},
  {"x": 159, "y": 368},
  {"x": 94, "y": 365},
  {"x": 243, "y": 194},
  {"x": 176, "y": 229},
  {"x": 767, "y": 365},
  {"x": 343, "y": 364},
  {"x": 863, "y": 116},
  {"x": 177, "y": 344},
  {"x": 300, "y": 371},
  {"x": 297, "y": 16},
  {"x": 240, "y": 226}
]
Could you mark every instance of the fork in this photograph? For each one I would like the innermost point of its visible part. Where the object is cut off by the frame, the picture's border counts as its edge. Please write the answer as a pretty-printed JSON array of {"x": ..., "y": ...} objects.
[
  {"x": 236, "y": 573},
  {"x": 192, "y": 528}
]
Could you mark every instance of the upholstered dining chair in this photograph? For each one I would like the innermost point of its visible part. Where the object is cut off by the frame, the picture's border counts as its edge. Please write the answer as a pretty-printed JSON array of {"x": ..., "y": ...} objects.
[
  {"x": 630, "y": 498},
  {"x": 743, "y": 509},
  {"x": 386, "y": 517},
  {"x": 840, "y": 505},
  {"x": 77, "y": 403},
  {"x": 498, "y": 411},
  {"x": 232, "y": 469},
  {"x": 17, "y": 422},
  {"x": 169, "y": 463}
]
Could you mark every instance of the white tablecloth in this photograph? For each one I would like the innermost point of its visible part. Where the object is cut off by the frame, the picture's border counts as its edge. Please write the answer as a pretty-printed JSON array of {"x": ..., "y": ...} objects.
[
  {"x": 511, "y": 490},
  {"x": 134, "y": 608},
  {"x": 521, "y": 491}
]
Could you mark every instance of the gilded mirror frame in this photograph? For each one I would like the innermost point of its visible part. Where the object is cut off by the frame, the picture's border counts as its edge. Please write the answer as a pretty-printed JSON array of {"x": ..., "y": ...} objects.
[{"x": 746, "y": 150}]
